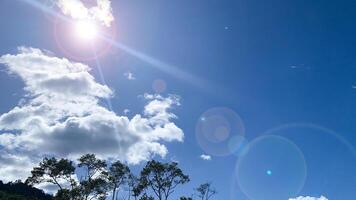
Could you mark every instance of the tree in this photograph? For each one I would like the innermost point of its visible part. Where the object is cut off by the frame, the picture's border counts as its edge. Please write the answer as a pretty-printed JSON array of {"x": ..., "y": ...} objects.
[
  {"x": 162, "y": 178},
  {"x": 51, "y": 170},
  {"x": 136, "y": 187},
  {"x": 118, "y": 175},
  {"x": 64, "y": 194},
  {"x": 132, "y": 182},
  {"x": 156, "y": 180},
  {"x": 94, "y": 184},
  {"x": 146, "y": 197},
  {"x": 185, "y": 198},
  {"x": 205, "y": 191},
  {"x": 20, "y": 191},
  {"x": 92, "y": 165}
]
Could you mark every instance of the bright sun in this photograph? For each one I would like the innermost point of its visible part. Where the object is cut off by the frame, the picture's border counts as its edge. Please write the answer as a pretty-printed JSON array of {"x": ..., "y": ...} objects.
[{"x": 86, "y": 30}]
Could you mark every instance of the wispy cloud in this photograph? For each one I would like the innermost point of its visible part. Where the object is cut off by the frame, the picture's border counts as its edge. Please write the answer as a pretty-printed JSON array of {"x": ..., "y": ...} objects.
[
  {"x": 129, "y": 76},
  {"x": 205, "y": 157},
  {"x": 300, "y": 67},
  {"x": 61, "y": 116},
  {"x": 76, "y": 9},
  {"x": 309, "y": 198}
]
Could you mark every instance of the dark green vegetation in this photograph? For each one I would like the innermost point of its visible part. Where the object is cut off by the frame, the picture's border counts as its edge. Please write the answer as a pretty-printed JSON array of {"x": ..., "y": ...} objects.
[
  {"x": 21, "y": 191},
  {"x": 100, "y": 181}
]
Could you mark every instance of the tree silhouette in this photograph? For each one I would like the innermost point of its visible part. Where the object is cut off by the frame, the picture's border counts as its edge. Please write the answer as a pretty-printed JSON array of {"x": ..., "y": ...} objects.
[
  {"x": 118, "y": 175},
  {"x": 146, "y": 197},
  {"x": 162, "y": 178},
  {"x": 205, "y": 191},
  {"x": 132, "y": 182},
  {"x": 185, "y": 198},
  {"x": 51, "y": 170},
  {"x": 93, "y": 185},
  {"x": 20, "y": 191},
  {"x": 156, "y": 180}
]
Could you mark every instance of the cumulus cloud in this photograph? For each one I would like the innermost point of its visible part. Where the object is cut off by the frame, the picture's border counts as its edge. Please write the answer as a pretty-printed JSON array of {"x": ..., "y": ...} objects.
[
  {"x": 309, "y": 198},
  {"x": 14, "y": 165},
  {"x": 205, "y": 157},
  {"x": 61, "y": 115},
  {"x": 76, "y": 9}
]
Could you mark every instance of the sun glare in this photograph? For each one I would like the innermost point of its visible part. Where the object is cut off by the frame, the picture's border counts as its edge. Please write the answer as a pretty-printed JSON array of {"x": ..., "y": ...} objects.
[{"x": 86, "y": 30}]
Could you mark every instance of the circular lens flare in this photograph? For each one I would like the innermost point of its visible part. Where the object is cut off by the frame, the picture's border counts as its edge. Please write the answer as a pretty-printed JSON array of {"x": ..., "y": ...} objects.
[
  {"x": 219, "y": 131},
  {"x": 272, "y": 168},
  {"x": 86, "y": 30}
]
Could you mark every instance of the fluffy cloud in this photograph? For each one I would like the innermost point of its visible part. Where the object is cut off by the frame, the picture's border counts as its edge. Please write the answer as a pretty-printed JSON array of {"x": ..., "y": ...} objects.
[
  {"x": 205, "y": 157},
  {"x": 13, "y": 166},
  {"x": 76, "y": 9},
  {"x": 309, "y": 198},
  {"x": 61, "y": 115}
]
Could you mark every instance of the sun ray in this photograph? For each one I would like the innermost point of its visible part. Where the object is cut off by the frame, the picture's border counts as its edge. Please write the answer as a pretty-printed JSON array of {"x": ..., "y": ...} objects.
[{"x": 156, "y": 63}]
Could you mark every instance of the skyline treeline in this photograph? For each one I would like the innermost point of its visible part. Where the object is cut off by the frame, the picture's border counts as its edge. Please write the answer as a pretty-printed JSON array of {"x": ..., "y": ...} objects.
[{"x": 99, "y": 180}]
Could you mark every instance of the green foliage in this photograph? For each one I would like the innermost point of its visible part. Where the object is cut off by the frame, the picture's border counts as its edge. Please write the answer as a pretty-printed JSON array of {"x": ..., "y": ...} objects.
[
  {"x": 7, "y": 196},
  {"x": 21, "y": 191},
  {"x": 63, "y": 194}
]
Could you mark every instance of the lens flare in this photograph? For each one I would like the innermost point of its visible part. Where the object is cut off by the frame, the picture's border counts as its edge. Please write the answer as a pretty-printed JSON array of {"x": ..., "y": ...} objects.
[
  {"x": 86, "y": 30},
  {"x": 272, "y": 168},
  {"x": 159, "y": 85},
  {"x": 84, "y": 35},
  {"x": 324, "y": 172},
  {"x": 219, "y": 132}
]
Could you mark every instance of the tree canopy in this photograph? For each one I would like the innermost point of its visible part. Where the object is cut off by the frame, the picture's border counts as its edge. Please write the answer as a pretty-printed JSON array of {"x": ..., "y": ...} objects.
[{"x": 91, "y": 178}]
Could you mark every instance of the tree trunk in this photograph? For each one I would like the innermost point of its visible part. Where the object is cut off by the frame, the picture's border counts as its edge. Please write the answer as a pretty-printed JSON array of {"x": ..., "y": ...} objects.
[{"x": 114, "y": 193}]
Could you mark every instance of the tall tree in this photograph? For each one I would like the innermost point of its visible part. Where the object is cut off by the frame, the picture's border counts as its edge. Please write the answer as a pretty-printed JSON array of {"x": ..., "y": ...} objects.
[
  {"x": 93, "y": 185},
  {"x": 162, "y": 178},
  {"x": 205, "y": 191},
  {"x": 118, "y": 175},
  {"x": 92, "y": 165},
  {"x": 51, "y": 170},
  {"x": 132, "y": 182},
  {"x": 137, "y": 187}
]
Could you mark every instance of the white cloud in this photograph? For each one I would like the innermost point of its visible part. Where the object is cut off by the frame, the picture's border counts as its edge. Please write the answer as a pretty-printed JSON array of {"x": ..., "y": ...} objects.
[
  {"x": 309, "y": 198},
  {"x": 14, "y": 167},
  {"x": 129, "y": 76},
  {"x": 158, "y": 106},
  {"x": 61, "y": 115},
  {"x": 205, "y": 157},
  {"x": 76, "y": 9}
]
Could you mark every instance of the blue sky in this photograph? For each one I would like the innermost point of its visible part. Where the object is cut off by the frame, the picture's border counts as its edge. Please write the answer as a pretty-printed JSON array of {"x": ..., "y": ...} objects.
[{"x": 285, "y": 68}]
